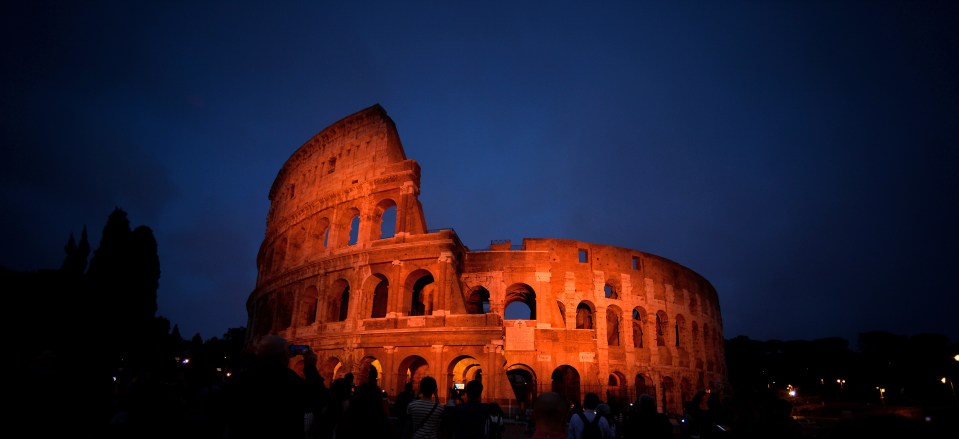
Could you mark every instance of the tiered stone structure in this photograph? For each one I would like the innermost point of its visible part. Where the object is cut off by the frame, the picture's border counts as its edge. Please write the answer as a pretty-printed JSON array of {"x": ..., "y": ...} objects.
[{"x": 349, "y": 267}]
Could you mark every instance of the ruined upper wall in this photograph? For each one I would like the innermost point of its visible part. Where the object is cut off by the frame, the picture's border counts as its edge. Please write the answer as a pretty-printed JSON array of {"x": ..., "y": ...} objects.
[
  {"x": 357, "y": 149},
  {"x": 334, "y": 193}
]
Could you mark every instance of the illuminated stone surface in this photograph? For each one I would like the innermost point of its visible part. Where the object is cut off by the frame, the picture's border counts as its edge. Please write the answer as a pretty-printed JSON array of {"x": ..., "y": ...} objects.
[{"x": 397, "y": 307}]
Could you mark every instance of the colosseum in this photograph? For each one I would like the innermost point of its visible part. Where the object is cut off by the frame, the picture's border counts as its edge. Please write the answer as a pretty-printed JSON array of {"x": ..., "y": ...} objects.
[{"x": 349, "y": 267}]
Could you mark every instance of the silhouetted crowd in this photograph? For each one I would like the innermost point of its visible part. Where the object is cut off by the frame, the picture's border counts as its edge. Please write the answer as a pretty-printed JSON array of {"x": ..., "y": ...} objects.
[{"x": 268, "y": 399}]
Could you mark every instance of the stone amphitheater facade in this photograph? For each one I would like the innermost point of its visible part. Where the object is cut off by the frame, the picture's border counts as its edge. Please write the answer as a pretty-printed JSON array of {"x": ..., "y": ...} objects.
[{"x": 349, "y": 267}]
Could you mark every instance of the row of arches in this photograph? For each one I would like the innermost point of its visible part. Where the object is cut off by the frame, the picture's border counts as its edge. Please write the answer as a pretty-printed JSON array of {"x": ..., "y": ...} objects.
[
  {"x": 612, "y": 290},
  {"x": 340, "y": 302},
  {"x": 523, "y": 380},
  {"x": 377, "y": 298},
  {"x": 617, "y": 391},
  {"x": 663, "y": 333},
  {"x": 328, "y": 230},
  {"x": 409, "y": 370}
]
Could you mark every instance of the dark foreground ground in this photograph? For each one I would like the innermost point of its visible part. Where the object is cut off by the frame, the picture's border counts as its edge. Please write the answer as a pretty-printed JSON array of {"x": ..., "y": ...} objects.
[{"x": 899, "y": 423}]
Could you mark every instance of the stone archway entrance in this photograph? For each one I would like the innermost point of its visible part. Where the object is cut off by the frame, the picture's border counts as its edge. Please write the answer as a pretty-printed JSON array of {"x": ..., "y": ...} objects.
[
  {"x": 412, "y": 369},
  {"x": 523, "y": 382},
  {"x": 328, "y": 369},
  {"x": 370, "y": 371},
  {"x": 616, "y": 390},
  {"x": 461, "y": 371},
  {"x": 565, "y": 381}
]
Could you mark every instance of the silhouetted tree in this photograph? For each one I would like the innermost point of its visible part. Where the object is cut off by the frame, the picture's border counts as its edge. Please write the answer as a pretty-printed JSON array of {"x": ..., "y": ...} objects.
[
  {"x": 123, "y": 278},
  {"x": 95, "y": 326},
  {"x": 75, "y": 263}
]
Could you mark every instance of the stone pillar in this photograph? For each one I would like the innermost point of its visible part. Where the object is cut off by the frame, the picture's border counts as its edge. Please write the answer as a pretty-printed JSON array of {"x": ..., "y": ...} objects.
[
  {"x": 493, "y": 373},
  {"x": 295, "y": 311},
  {"x": 333, "y": 239},
  {"x": 599, "y": 325},
  {"x": 438, "y": 369},
  {"x": 405, "y": 208},
  {"x": 572, "y": 299},
  {"x": 602, "y": 351},
  {"x": 443, "y": 290},
  {"x": 394, "y": 305},
  {"x": 391, "y": 383}
]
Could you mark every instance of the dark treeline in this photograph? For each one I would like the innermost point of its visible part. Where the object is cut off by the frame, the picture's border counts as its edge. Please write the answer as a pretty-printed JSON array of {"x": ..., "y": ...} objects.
[
  {"x": 88, "y": 332},
  {"x": 909, "y": 368},
  {"x": 892, "y": 386}
]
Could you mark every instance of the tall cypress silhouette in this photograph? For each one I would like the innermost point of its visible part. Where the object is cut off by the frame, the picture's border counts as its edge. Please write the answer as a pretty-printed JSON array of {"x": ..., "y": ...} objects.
[
  {"x": 96, "y": 321},
  {"x": 77, "y": 254},
  {"x": 123, "y": 279}
]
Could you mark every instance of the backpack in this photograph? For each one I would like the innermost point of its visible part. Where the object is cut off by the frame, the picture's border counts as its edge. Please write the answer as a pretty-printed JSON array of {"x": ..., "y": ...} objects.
[
  {"x": 591, "y": 430},
  {"x": 494, "y": 427}
]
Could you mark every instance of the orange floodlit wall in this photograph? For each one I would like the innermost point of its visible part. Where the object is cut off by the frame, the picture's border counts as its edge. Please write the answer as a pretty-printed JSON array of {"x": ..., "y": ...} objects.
[{"x": 348, "y": 266}]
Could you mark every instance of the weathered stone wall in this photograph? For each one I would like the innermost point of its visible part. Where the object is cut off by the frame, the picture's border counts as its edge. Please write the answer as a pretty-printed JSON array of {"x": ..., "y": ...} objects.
[{"x": 591, "y": 318}]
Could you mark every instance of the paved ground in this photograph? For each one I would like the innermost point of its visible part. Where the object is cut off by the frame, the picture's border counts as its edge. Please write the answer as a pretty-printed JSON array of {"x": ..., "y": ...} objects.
[
  {"x": 515, "y": 431},
  {"x": 518, "y": 431}
]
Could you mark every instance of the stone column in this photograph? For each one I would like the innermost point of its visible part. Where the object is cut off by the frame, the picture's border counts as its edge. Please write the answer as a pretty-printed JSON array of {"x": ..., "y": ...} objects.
[
  {"x": 442, "y": 291},
  {"x": 442, "y": 381},
  {"x": 405, "y": 208},
  {"x": 394, "y": 305},
  {"x": 602, "y": 350},
  {"x": 391, "y": 383},
  {"x": 295, "y": 311},
  {"x": 493, "y": 373}
]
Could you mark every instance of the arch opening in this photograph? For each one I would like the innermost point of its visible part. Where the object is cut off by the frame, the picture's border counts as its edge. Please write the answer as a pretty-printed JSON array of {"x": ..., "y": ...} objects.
[
  {"x": 520, "y": 294},
  {"x": 478, "y": 302},
  {"x": 612, "y": 326},
  {"x": 422, "y": 297},
  {"x": 411, "y": 370},
  {"x": 565, "y": 381},
  {"x": 380, "y": 296},
  {"x": 584, "y": 316},
  {"x": 522, "y": 380}
]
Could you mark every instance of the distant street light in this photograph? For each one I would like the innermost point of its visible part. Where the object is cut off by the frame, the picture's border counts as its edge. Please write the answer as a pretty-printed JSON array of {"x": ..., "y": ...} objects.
[
  {"x": 882, "y": 395},
  {"x": 842, "y": 383},
  {"x": 951, "y": 385}
]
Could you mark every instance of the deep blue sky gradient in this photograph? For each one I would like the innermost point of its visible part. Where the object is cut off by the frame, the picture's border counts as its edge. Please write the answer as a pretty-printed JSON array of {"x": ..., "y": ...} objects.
[{"x": 801, "y": 155}]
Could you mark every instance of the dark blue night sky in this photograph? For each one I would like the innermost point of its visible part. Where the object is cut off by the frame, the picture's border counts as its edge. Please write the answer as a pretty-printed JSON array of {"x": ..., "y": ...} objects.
[{"x": 801, "y": 155}]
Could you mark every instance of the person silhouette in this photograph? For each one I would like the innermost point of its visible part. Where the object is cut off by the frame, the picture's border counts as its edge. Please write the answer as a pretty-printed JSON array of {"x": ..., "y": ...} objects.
[
  {"x": 644, "y": 421},
  {"x": 425, "y": 412},
  {"x": 577, "y": 423},
  {"x": 497, "y": 421},
  {"x": 269, "y": 399},
  {"x": 365, "y": 418},
  {"x": 470, "y": 419},
  {"x": 399, "y": 408},
  {"x": 549, "y": 416}
]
